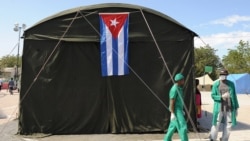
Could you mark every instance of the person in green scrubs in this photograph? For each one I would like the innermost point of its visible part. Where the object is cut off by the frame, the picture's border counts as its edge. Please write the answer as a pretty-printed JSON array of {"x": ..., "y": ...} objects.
[
  {"x": 225, "y": 106},
  {"x": 177, "y": 120}
]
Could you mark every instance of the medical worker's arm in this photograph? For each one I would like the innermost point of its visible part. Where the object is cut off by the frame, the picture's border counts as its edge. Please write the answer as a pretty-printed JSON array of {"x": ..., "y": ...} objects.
[
  {"x": 215, "y": 96},
  {"x": 172, "y": 101},
  {"x": 234, "y": 99}
]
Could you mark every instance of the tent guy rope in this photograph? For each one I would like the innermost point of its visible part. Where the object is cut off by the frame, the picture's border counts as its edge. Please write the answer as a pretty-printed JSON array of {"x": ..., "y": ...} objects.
[
  {"x": 84, "y": 16},
  {"x": 42, "y": 68},
  {"x": 185, "y": 107}
]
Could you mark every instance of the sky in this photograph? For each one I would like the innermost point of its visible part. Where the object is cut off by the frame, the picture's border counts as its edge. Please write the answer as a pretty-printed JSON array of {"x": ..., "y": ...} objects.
[{"x": 220, "y": 24}]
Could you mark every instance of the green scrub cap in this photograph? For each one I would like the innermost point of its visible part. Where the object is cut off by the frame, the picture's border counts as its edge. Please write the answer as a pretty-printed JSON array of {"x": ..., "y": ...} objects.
[{"x": 178, "y": 77}]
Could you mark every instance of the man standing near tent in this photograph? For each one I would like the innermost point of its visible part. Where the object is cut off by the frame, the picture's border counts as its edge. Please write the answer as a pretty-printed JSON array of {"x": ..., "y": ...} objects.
[
  {"x": 198, "y": 99},
  {"x": 225, "y": 106},
  {"x": 1, "y": 84},
  {"x": 11, "y": 86},
  {"x": 177, "y": 120}
]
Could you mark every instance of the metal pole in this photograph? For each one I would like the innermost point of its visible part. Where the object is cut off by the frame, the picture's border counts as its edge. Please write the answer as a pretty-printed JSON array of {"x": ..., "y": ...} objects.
[
  {"x": 17, "y": 63},
  {"x": 18, "y": 29}
]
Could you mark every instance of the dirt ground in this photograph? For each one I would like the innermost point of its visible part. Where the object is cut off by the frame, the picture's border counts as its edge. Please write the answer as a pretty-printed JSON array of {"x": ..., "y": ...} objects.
[{"x": 9, "y": 124}]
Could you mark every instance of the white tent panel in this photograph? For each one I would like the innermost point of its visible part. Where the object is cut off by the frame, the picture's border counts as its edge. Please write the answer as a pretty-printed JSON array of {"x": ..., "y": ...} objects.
[{"x": 205, "y": 80}]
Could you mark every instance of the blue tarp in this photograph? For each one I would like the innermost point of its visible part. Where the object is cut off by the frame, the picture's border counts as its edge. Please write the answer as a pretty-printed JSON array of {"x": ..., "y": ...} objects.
[{"x": 241, "y": 82}]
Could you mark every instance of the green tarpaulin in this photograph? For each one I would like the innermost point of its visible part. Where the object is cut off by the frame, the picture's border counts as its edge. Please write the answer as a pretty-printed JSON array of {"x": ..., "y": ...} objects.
[{"x": 66, "y": 93}]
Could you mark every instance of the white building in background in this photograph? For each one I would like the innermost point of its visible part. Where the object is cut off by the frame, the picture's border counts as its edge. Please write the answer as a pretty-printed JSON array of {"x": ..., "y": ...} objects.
[{"x": 8, "y": 73}]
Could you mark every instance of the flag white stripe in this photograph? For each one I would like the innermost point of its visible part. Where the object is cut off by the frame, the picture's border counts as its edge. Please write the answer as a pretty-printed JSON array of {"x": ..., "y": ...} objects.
[
  {"x": 109, "y": 48},
  {"x": 121, "y": 52},
  {"x": 113, "y": 49}
]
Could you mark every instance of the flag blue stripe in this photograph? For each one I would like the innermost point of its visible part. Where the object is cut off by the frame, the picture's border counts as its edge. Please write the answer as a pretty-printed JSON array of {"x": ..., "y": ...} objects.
[
  {"x": 110, "y": 54},
  {"x": 115, "y": 56},
  {"x": 103, "y": 49},
  {"x": 126, "y": 68}
]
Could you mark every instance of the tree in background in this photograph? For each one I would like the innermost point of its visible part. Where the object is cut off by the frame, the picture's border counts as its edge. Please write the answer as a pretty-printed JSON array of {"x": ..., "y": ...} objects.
[
  {"x": 9, "y": 61},
  {"x": 205, "y": 56},
  {"x": 238, "y": 60}
]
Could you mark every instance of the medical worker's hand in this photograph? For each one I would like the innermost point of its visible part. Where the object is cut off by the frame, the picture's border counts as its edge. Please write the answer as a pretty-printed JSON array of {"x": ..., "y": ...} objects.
[
  {"x": 172, "y": 117},
  {"x": 225, "y": 96},
  {"x": 236, "y": 112}
]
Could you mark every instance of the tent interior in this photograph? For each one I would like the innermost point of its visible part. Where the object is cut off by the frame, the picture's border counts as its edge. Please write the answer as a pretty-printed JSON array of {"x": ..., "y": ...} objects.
[{"x": 63, "y": 92}]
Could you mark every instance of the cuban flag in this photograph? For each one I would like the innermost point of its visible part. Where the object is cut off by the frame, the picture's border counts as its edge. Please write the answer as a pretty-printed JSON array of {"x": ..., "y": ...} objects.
[{"x": 114, "y": 43}]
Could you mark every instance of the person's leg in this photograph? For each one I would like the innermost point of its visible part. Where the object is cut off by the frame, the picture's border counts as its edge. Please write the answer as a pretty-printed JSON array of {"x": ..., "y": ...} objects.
[
  {"x": 171, "y": 130},
  {"x": 11, "y": 90},
  {"x": 227, "y": 126},
  {"x": 181, "y": 126},
  {"x": 215, "y": 128}
]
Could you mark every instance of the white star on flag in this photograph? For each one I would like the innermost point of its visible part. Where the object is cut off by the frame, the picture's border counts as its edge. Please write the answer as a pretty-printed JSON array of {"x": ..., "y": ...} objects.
[{"x": 113, "y": 22}]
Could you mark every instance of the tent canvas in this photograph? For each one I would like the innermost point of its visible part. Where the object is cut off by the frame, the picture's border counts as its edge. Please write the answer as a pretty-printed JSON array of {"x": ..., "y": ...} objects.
[
  {"x": 205, "y": 79},
  {"x": 63, "y": 92},
  {"x": 241, "y": 82}
]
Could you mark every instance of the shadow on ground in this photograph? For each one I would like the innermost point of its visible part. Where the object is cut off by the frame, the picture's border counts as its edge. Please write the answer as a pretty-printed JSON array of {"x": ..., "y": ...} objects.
[{"x": 206, "y": 123}]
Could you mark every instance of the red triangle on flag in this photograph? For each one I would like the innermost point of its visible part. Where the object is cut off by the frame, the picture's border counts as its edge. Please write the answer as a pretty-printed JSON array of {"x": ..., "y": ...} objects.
[{"x": 114, "y": 21}]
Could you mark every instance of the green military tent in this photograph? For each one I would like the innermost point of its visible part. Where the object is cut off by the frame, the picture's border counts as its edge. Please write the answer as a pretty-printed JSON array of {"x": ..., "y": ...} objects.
[{"x": 63, "y": 92}]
